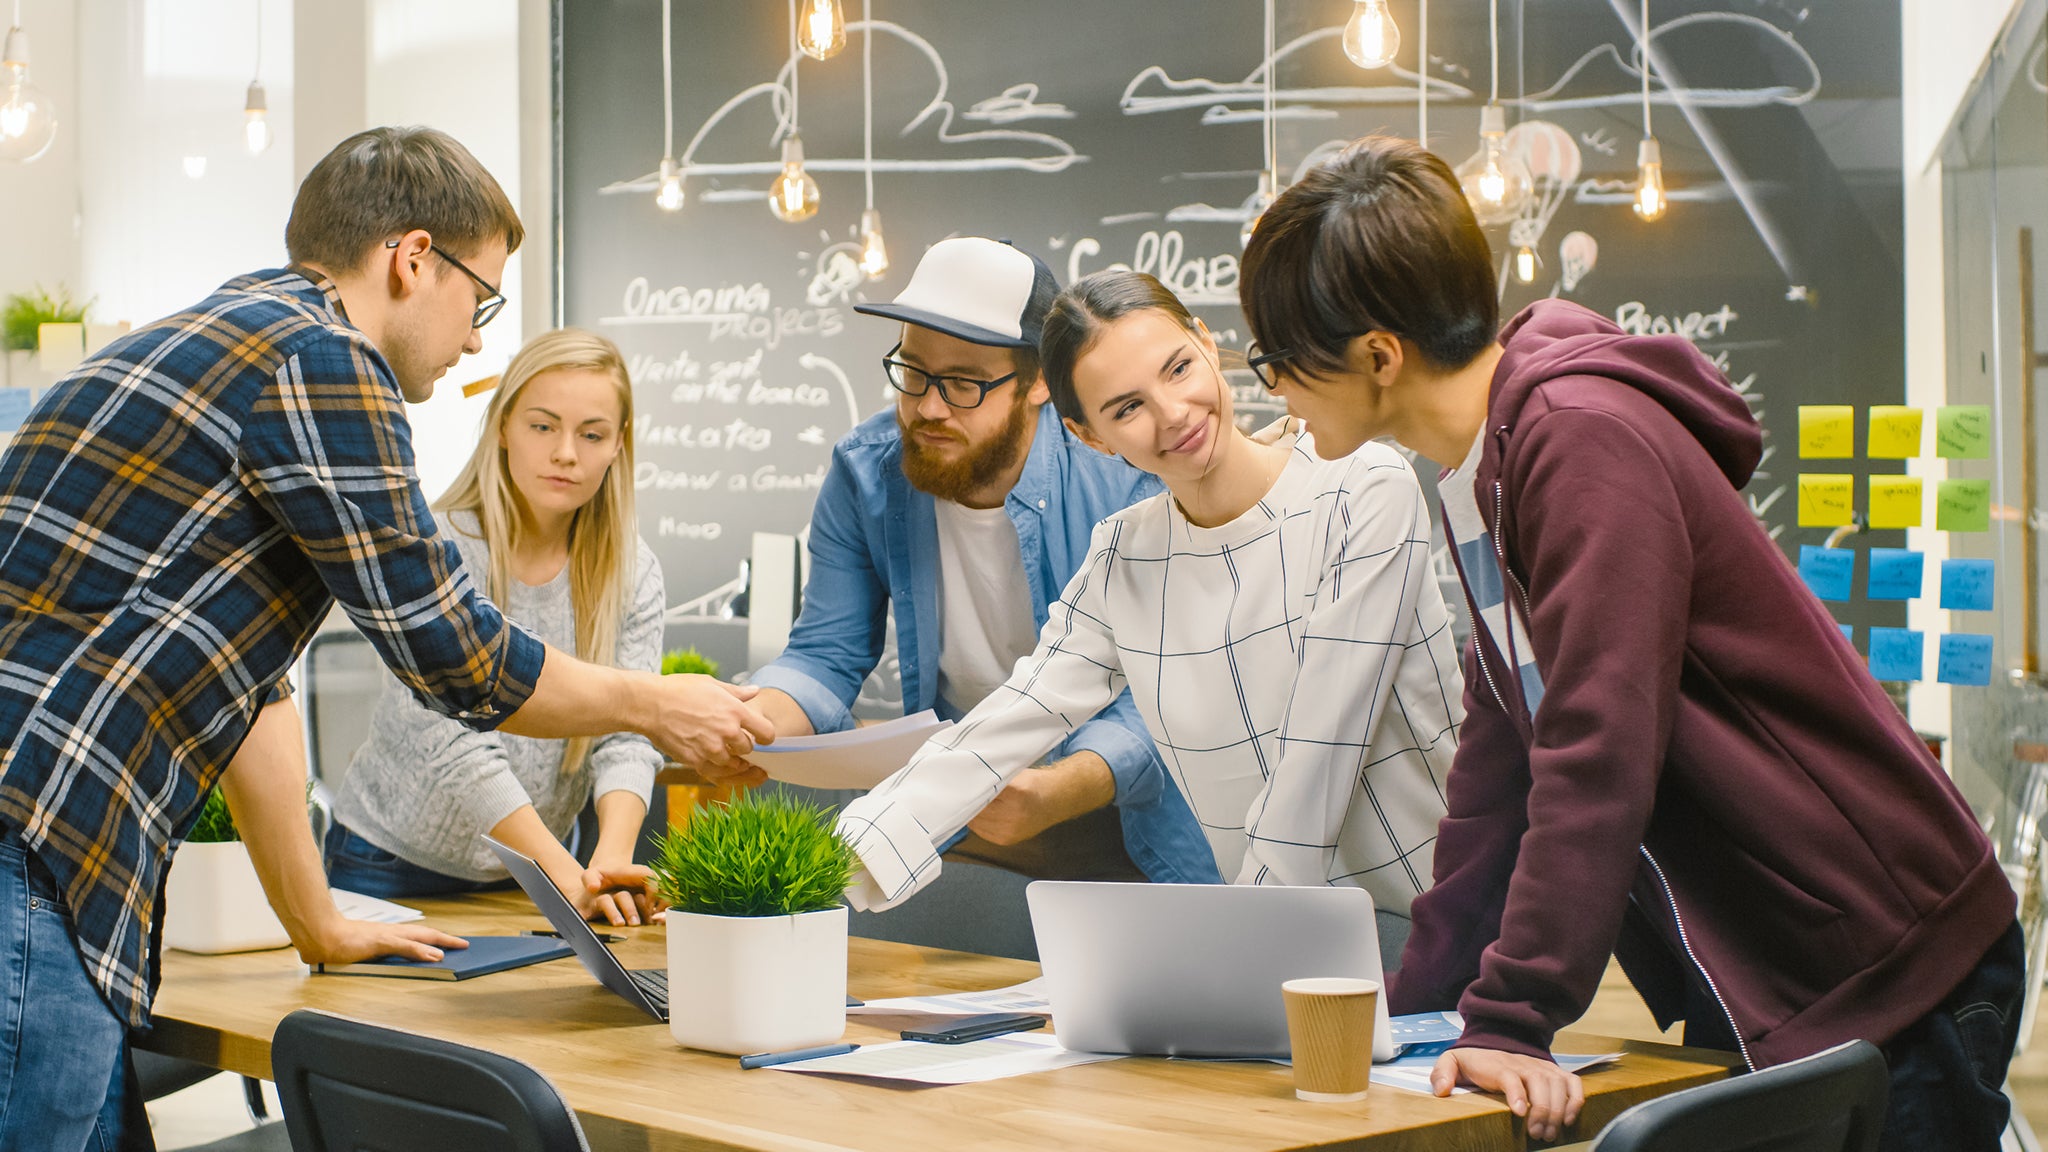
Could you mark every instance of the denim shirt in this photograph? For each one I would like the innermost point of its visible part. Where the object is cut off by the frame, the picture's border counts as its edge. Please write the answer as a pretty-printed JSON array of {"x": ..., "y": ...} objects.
[{"x": 875, "y": 546}]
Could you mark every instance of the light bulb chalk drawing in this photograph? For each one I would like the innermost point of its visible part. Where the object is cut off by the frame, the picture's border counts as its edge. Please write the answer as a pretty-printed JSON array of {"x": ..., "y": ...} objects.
[
  {"x": 1015, "y": 104},
  {"x": 1577, "y": 254}
]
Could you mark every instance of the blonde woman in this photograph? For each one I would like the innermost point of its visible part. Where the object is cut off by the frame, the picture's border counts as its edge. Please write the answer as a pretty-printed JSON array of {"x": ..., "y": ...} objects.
[{"x": 543, "y": 516}]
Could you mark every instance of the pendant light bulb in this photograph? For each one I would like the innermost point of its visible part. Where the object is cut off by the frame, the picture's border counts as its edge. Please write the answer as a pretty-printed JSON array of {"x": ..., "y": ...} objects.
[
  {"x": 1371, "y": 37},
  {"x": 668, "y": 193},
  {"x": 1261, "y": 200},
  {"x": 256, "y": 132},
  {"x": 794, "y": 195},
  {"x": 1527, "y": 264},
  {"x": 874, "y": 251},
  {"x": 1650, "y": 200},
  {"x": 1495, "y": 180},
  {"x": 28, "y": 122},
  {"x": 821, "y": 30}
]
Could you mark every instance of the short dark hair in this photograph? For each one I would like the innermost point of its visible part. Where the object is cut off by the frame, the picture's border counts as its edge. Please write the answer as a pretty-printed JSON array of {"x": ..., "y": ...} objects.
[
  {"x": 1379, "y": 238},
  {"x": 386, "y": 180},
  {"x": 1078, "y": 316}
]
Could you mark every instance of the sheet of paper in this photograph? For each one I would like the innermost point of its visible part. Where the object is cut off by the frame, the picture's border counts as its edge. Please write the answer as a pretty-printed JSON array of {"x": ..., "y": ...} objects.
[
  {"x": 1964, "y": 658},
  {"x": 855, "y": 758},
  {"x": 1895, "y": 501},
  {"x": 1896, "y": 653},
  {"x": 1029, "y": 996},
  {"x": 976, "y": 1062},
  {"x": 1894, "y": 432},
  {"x": 1963, "y": 506},
  {"x": 1963, "y": 431},
  {"x": 1826, "y": 431},
  {"x": 1411, "y": 1070},
  {"x": 1968, "y": 584},
  {"x": 1896, "y": 573},
  {"x": 357, "y": 906},
  {"x": 1424, "y": 1028},
  {"x": 1828, "y": 571},
  {"x": 1826, "y": 499}
]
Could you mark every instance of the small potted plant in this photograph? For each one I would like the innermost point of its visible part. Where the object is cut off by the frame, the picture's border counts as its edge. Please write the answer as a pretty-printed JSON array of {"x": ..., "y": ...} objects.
[
  {"x": 213, "y": 900},
  {"x": 756, "y": 926},
  {"x": 685, "y": 660}
]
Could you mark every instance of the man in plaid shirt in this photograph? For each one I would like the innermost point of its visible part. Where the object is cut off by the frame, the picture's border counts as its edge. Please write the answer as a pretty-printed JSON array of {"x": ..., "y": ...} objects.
[{"x": 176, "y": 516}]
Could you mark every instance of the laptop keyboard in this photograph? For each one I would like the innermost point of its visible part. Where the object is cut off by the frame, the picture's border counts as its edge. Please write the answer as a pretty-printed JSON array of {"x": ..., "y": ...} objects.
[{"x": 653, "y": 982}]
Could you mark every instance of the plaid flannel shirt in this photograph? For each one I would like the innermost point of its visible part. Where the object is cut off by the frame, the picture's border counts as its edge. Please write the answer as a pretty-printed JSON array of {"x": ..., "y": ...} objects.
[{"x": 175, "y": 518}]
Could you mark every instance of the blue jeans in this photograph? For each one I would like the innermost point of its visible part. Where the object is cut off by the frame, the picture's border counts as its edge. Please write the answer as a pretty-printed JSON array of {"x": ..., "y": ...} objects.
[
  {"x": 357, "y": 865},
  {"x": 63, "y": 1051}
]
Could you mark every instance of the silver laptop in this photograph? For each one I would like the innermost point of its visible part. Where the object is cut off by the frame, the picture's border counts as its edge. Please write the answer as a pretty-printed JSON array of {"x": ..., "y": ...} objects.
[
  {"x": 645, "y": 987},
  {"x": 1194, "y": 969}
]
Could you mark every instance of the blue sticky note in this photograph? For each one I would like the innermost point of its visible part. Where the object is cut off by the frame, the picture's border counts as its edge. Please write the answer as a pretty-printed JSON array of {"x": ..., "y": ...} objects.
[
  {"x": 1967, "y": 584},
  {"x": 1848, "y": 632},
  {"x": 1964, "y": 658},
  {"x": 14, "y": 406},
  {"x": 1896, "y": 573},
  {"x": 1896, "y": 653},
  {"x": 1828, "y": 571}
]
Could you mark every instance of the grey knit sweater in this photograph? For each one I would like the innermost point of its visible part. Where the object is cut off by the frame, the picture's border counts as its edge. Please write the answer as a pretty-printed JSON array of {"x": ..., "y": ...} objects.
[{"x": 426, "y": 787}]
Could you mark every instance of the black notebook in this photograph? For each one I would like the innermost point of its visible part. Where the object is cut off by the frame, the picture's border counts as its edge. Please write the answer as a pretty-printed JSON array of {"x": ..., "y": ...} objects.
[{"x": 485, "y": 955}]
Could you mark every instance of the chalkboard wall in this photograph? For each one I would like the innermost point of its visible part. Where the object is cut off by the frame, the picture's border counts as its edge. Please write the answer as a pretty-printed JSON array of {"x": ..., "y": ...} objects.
[{"x": 1098, "y": 133}]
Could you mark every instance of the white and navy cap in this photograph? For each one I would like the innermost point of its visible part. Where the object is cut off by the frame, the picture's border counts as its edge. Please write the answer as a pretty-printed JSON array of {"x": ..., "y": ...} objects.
[{"x": 978, "y": 290}]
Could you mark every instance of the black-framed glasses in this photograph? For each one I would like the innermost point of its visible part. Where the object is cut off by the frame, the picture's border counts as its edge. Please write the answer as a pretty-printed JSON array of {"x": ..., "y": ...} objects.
[
  {"x": 488, "y": 308},
  {"x": 1261, "y": 361},
  {"x": 956, "y": 391}
]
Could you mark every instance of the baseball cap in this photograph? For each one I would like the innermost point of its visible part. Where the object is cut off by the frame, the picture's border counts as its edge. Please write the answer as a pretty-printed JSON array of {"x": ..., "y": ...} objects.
[{"x": 975, "y": 289}]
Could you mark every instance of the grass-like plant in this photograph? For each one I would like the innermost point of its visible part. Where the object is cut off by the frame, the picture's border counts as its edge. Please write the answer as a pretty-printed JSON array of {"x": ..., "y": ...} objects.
[
  {"x": 216, "y": 825},
  {"x": 756, "y": 855},
  {"x": 687, "y": 660},
  {"x": 22, "y": 319}
]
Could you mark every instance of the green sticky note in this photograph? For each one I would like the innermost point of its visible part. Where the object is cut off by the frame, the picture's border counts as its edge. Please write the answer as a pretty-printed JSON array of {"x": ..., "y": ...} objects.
[
  {"x": 1963, "y": 506},
  {"x": 1826, "y": 431},
  {"x": 1963, "y": 431},
  {"x": 1826, "y": 499},
  {"x": 1894, "y": 432}
]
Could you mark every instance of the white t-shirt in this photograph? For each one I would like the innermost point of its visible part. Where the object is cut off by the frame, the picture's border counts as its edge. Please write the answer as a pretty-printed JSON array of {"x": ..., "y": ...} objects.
[{"x": 984, "y": 603}]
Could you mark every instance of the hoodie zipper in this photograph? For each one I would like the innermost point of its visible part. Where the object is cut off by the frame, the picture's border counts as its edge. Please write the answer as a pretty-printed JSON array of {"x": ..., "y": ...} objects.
[
  {"x": 1500, "y": 553},
  {"x": 1685, "y": 942}
]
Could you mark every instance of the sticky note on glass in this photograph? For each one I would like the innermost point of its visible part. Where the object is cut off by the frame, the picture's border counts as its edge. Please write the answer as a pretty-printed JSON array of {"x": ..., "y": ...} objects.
[
  {"x": 1826, "y": 499},
  {"x": 1895, "y": 501},
  {"x": 1828, "y": 571},
  {"x": 1966, "y": 584},
  {"x": 1848, "y": 632},
  {"x": 1827, "y": 431},
  {"x": 1895, "y": 653},
  {"x": 1963, "y": 506},
  {"x": 1963, "y": 658},
  {"x": 1963, "y": 431},
  {"x": 1894, "y": 433},
  {"x": 1896, "y": 573},
  {"x": 14, "y": 406}
]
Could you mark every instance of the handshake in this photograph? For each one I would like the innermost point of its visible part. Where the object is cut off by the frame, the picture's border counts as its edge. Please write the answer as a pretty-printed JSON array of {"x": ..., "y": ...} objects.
[{"x": 710, "y": 726}]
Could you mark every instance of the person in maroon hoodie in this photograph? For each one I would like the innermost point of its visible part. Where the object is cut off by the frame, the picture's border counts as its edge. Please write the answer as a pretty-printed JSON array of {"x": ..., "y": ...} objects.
[{"x": 1670, "y": 752}]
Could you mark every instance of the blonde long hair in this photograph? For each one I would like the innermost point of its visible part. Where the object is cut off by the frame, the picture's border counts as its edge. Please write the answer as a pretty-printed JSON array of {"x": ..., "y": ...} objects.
[{"x": 603, "y": 534}]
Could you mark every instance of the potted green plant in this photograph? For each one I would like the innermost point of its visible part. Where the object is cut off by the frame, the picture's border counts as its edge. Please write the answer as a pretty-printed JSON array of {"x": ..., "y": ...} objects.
[
  {"x": 756, "y": 925},
  {"x": 213, "y": 899},
  {"x": 681, "y": 660}
]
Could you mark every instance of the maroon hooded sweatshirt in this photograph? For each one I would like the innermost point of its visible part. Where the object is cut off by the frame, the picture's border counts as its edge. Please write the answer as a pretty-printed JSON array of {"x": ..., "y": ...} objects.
[{"x": 1713, "y": 788}]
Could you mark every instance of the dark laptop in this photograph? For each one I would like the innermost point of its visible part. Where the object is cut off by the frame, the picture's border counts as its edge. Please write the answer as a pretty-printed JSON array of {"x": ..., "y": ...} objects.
[{"x": 645, "y": 987}]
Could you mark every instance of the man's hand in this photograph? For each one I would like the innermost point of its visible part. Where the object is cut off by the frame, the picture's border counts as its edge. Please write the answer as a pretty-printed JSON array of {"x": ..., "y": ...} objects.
[
  {"x": 706, "y": 724},
  {"x": 341, "y": 941},
  {"x": 1038, "y": 798},
  {"x": 1547, "y": 1096}
]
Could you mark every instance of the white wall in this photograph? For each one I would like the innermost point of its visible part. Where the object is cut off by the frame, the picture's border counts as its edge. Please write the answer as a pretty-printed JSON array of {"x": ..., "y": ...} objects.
[
  {"x": 1945, "y": 44},
  {"x": 39, "y": 225}
]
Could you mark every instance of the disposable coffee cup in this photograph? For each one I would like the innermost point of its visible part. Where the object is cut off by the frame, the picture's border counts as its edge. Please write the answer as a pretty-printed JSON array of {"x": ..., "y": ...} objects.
[{"x": 1329, "y": 1028}]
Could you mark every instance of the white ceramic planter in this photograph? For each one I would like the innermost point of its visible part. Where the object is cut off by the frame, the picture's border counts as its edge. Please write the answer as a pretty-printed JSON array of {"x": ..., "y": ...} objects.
[
  {"x": 741, "y": 984},
  {"x": 216, "y": 903}
]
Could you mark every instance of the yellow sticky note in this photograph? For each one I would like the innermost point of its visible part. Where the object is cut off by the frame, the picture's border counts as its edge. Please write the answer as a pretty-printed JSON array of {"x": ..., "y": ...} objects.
[
  {"x": 1894, "y": 433},
  {"x": 1826, "y": 499},
  {"x": 1827, "y": 431},
  {"x": 1895, "y": 500}
]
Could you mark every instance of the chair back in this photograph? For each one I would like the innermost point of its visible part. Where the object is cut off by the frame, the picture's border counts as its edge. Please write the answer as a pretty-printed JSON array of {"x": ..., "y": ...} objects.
[
  {"x": 1832, "y": 1101},
  {"x": 347, "y": 1086}
]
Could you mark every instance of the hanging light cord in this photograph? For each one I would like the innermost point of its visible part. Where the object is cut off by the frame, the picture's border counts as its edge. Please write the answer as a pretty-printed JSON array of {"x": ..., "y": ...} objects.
[
  {"x": 1422, "y": 76},
  {"x": 1645, "y": 31},
  {"x": 668, "y": 95},
  {"x": 1272, "y": 147},
  {"x": 259, "y": 40},
  {"x": 1493, "y": 38},
  {"x": 794, "y": 65},
  {"x": 867, "y": 96}
]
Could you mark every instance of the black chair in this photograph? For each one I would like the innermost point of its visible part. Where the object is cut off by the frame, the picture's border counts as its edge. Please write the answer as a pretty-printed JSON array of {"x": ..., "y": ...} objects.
[
  {"x": 1832, "y": 1101},
  {"x": 348, "y": 1086}
]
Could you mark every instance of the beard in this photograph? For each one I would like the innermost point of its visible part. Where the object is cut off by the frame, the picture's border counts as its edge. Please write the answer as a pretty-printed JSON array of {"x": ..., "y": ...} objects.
[{"x": 957, "y": 476}]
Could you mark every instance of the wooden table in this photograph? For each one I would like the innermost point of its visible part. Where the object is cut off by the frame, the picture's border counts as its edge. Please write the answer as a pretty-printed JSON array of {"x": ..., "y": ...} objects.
[{"x": 634, "y": 1088}]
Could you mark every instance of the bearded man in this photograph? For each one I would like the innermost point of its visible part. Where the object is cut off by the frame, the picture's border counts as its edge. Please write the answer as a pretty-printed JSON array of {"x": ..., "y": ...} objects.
[{"x": 966, "y": 510}]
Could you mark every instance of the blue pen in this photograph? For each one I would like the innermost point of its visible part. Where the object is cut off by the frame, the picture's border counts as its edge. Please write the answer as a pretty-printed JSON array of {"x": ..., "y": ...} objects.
[{"x": 770, "y": 1059}]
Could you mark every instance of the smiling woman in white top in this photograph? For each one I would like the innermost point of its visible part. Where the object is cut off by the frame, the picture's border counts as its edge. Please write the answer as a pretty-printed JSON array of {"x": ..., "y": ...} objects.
[{"x": 1273, "y": 614}]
